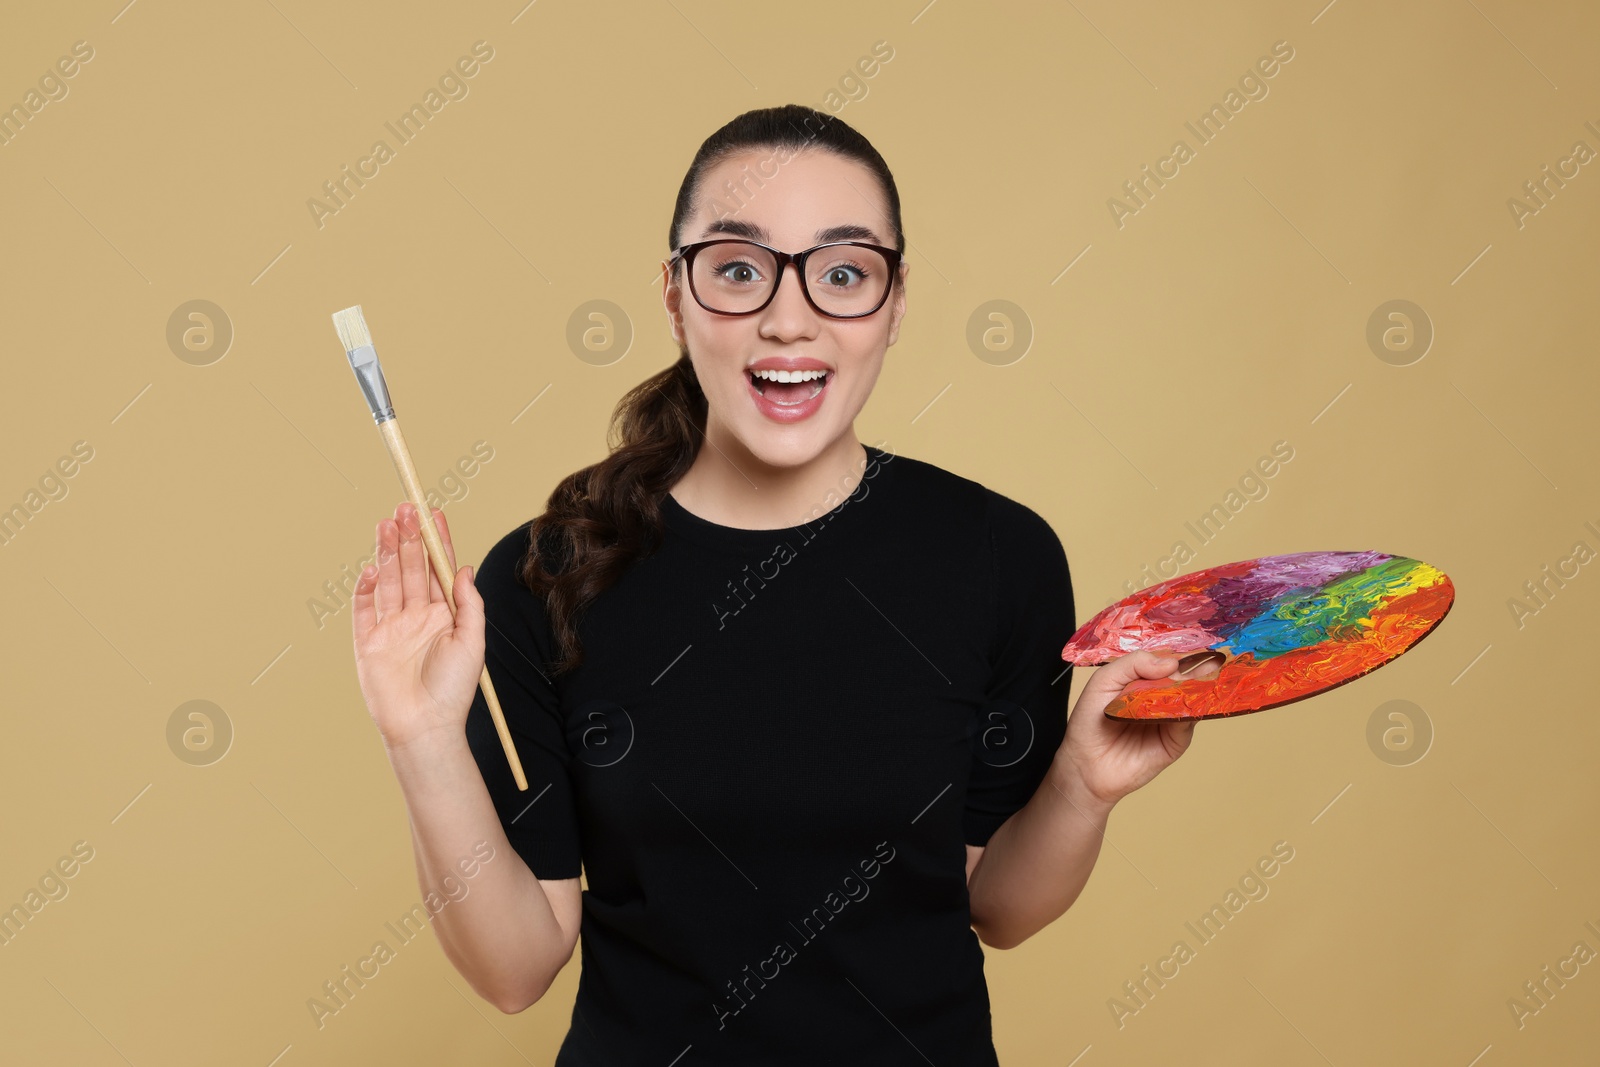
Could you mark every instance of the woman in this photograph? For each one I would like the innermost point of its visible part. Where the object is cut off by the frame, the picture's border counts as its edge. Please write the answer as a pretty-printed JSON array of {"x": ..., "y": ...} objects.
[{"x": 795, "y": 704}]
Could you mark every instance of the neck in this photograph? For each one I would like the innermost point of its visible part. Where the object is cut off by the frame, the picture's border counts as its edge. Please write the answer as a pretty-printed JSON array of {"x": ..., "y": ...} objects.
[{"x": 729, "y": 485}]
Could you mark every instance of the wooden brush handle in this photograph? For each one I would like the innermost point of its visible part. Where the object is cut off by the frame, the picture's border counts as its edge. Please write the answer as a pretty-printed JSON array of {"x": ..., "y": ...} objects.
[{"x": 396, "y": 443}]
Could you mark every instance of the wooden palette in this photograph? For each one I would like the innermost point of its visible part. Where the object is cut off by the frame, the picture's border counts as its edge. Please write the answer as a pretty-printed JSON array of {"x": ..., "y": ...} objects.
[{"x": 1287, "y": 626}]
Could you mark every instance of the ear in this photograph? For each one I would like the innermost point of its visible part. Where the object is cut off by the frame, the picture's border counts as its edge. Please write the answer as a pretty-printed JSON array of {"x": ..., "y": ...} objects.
[
  {"x": 672, "y": 300},
  {"x": 898, "y": 304}
]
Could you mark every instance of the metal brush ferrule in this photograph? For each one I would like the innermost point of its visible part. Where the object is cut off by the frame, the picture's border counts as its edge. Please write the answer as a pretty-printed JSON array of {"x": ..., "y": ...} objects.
[{"x": 364, "y": 361}]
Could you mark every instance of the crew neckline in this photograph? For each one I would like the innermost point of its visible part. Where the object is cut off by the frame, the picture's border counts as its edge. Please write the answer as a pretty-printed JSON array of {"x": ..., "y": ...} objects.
[{"x": 681, "y": 520}]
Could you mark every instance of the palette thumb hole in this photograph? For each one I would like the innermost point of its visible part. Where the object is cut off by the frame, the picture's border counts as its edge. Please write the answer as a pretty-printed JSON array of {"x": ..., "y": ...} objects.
[{"x": 1204, "y": 664}]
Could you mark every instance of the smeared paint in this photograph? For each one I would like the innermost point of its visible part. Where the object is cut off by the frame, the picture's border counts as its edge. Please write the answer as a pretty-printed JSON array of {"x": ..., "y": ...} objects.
[{"x": 1291, "y": 626}]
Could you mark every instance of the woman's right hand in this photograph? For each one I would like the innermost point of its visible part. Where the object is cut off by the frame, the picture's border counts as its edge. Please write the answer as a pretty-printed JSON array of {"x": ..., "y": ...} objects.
[{"x": 418, "y": 666}]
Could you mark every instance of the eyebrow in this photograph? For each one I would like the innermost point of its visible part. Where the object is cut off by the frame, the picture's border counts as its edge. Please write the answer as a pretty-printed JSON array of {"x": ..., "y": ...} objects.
[{"x": 757, "y": 232}]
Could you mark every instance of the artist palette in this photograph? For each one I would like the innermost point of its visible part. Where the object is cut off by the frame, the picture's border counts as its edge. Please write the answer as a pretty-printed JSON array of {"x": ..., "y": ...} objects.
[{"x": 1287, "y": 627}]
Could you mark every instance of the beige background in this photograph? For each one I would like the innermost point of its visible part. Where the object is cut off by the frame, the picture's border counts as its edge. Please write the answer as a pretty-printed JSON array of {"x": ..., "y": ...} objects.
[{"x": 1229, "y": 313}]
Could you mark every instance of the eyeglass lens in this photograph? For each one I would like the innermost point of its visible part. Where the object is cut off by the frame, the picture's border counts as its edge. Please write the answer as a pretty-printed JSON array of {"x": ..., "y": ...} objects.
[{"x": 842, "y": 279}]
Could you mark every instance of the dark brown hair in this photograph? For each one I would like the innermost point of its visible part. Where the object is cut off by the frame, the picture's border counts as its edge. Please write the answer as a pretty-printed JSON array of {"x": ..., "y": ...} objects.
[{"x": 600, "y": 519}]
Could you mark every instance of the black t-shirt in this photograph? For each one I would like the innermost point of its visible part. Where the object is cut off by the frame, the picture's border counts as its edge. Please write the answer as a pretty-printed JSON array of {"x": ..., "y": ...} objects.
[{"x": 769, "y": 762}]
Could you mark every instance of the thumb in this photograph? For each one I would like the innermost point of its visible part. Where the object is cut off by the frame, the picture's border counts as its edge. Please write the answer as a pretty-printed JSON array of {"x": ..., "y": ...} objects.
[
  {"x": 469, "y": 607},
  {"x": 1180, "y": 734}
]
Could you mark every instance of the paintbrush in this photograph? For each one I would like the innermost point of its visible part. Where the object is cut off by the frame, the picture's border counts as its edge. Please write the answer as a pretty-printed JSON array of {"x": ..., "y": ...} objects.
[{"x": 357, "y": 341}]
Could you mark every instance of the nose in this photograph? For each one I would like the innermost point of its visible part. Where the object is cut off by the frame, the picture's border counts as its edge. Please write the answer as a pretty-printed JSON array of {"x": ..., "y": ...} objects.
[
  {"x": 791, "y": 286},
  {"x": 789, "y": 313}
]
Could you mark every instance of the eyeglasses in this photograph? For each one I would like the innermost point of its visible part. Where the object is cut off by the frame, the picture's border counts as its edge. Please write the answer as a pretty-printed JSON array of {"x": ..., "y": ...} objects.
[{"x": 843, "y": 279}]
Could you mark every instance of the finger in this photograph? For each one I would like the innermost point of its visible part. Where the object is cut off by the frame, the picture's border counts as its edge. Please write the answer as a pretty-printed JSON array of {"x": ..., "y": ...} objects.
[
  {"x": 389, "y": 600},
  {"x": 1110, "y": 678},
  {"x": 366, "y": 606},
  {"x": 1205, "y": 664},
  {"x": 413, "y": 555},
  {"x": 435, "y": 590},
  {"x": 444, "y": 538}
]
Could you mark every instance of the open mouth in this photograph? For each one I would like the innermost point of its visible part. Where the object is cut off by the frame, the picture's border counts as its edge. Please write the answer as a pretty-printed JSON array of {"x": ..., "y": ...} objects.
[{"x": 788, "y": 388}]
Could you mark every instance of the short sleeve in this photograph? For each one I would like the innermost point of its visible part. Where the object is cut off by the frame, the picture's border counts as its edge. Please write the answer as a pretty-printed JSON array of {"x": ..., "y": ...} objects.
[
  {"x": 541, "y": 823},
  {"x": 1025, "y": 719}
]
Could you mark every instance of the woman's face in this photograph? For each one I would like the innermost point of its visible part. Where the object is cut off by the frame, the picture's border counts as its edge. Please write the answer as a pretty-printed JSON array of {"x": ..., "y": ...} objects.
[{"x": 812, "y": 192}]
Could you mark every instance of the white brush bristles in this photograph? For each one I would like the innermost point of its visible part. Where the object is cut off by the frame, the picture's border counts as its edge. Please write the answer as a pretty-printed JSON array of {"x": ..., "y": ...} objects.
[{"x": 353, "y": 332}]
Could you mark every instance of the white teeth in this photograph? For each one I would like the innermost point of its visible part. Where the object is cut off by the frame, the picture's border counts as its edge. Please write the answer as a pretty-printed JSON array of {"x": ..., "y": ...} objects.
[{"x": 788, "y": 376}]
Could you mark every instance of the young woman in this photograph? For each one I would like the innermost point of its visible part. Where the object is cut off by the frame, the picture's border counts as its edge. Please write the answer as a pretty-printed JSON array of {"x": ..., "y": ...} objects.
[{"x": 795, "y": 704}]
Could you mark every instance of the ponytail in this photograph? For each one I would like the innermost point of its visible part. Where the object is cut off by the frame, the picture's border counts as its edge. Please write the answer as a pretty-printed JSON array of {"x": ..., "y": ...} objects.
[{"x": 602, "y": 518}]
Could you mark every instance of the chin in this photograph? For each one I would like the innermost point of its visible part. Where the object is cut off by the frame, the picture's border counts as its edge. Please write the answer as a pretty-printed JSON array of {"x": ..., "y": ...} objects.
[{"x": 793, "y": 447}]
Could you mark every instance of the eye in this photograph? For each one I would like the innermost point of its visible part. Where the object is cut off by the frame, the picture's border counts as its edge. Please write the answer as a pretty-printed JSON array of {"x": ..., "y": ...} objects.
[
  {"x": 843, "y": 275},
  {"x": 743, "y": 272}
]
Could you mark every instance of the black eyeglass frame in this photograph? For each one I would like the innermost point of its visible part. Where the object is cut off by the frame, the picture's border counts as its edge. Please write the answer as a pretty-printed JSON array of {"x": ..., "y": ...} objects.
[{"x": 783, "y": 259}]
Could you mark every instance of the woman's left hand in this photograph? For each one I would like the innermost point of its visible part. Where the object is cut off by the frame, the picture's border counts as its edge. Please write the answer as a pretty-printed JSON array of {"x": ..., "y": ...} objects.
[{"x": 1110, "y": 758}]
